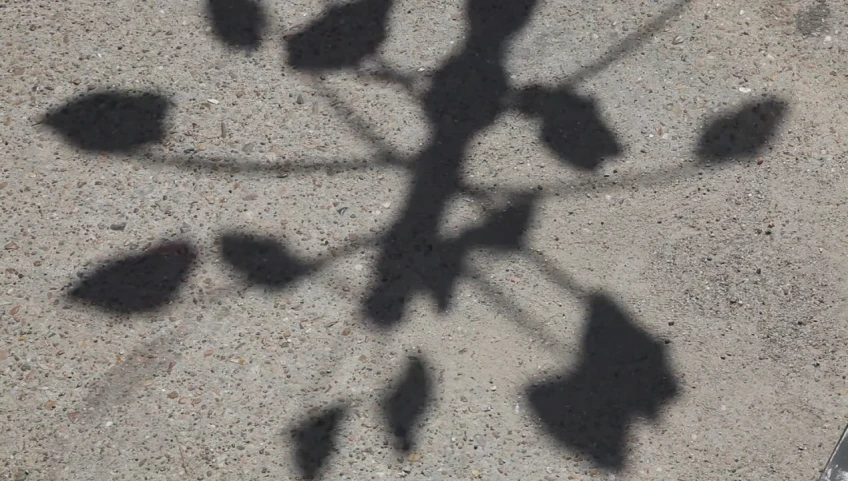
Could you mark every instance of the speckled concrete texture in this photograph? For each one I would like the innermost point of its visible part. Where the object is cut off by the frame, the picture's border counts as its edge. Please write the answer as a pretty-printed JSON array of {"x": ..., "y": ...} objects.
[{"x": 385, "y": 239}]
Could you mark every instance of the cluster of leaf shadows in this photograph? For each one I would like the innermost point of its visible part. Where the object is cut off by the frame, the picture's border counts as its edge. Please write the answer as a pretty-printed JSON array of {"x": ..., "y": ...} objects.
[{"x": 623, "y": 372}]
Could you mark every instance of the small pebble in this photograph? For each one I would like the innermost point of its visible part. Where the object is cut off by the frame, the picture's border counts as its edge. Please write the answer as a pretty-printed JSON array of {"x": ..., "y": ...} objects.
[
  {"x": 299, "y": 99},
  {"x": 213, "y": 101},
  {"x": 118, "y": 226},
  {"x": 172, "y": 395},
  {"x": 74, "y": 416},
  {"x": 346, "y": 331},
  {"x": 677, "y": 40}
]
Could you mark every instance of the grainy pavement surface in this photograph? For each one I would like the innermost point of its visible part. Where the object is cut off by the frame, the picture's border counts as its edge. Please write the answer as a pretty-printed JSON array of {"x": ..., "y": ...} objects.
[{"x": 478, "y": 239}]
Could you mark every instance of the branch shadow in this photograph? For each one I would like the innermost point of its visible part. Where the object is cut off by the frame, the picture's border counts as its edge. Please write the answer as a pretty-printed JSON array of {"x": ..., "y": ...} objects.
[
  {"x": 407, "y": 402},
  {"x": 743, "y": 133},
  {"x": 238, "y": 23},
  {"x": 415, "y": 259},
  {"x": 468, "y": 93},
  {"x": 342, "y": 37},
  {"x": 111, "y": 121},
  {"x": 623, "y": 374},
  {"x": 138, "y": 283},
  {"x": 315, "y": 441}
]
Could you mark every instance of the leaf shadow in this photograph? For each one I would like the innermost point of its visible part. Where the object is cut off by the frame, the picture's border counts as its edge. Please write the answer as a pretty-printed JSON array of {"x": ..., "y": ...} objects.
[
  {"x": 138, "y": 283},
  {"x": 742, "y": 133},
  {"x": 315, "y": 441},
  {"x": 115, "y": 121},
  {"x": 238, "y": 23},
  {"x": 623, "y": 374}
]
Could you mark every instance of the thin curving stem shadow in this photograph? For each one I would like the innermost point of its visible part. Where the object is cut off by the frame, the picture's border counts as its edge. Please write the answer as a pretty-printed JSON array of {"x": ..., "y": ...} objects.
[
  {"x": 623, "y": 374},
  {"x": 138, "y": 283}
]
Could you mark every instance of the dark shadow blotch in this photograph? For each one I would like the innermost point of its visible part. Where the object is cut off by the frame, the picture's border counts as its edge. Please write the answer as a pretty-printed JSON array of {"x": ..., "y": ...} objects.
[
  {"x": 238, "y": 23},
  {"x": 623, "y": 374},
  {"x": 111, "y": 121},
  {"x": 407, "y": 402},
  {"x": 340, "y": 38},
  {"x": 138, "y": 283},
  {"x": 813, "y": 19},
  {"x": 262, "y": 259},
  {"x": 315, "y": 441},
  {"x": 742, "y": 133}
]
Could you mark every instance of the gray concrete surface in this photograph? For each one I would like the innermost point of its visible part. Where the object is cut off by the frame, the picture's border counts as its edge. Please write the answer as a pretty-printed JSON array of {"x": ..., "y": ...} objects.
[{"x": 524, "y": 240}]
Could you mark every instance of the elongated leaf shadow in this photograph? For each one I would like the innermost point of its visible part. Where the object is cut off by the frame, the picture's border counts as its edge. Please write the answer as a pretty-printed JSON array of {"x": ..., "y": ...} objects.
[
  {"x": 111, "y": 121},
  {"x": 341, "y": 38},
  {"x": 742, "y": 133},
  {"x": 238, "y": 23},
  {"x": 407, "y": 402},
  {"x": 315, "y": 441},
  {"x": 623, "y": 374},
  {"x": 138, "y": 283},
  {"x": 262, "y": 259}
]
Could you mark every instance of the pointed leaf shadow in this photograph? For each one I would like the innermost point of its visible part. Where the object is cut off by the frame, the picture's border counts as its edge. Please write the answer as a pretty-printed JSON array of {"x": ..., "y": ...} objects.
[
  {"x": 623, "y": 374},
  {"x": 315, "y": 441},
  {"x": 238, "y": 23},
  {"x": 407, "y": 402},
  {"x": 138, "y": 283},
  {"x": 262, "y": 259},
  {"x": 341, "y": 38},
  {"x": 571, "y": 126},
  {"x": 111, "y": 121},
  {"x": 742, "y": 133}
]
